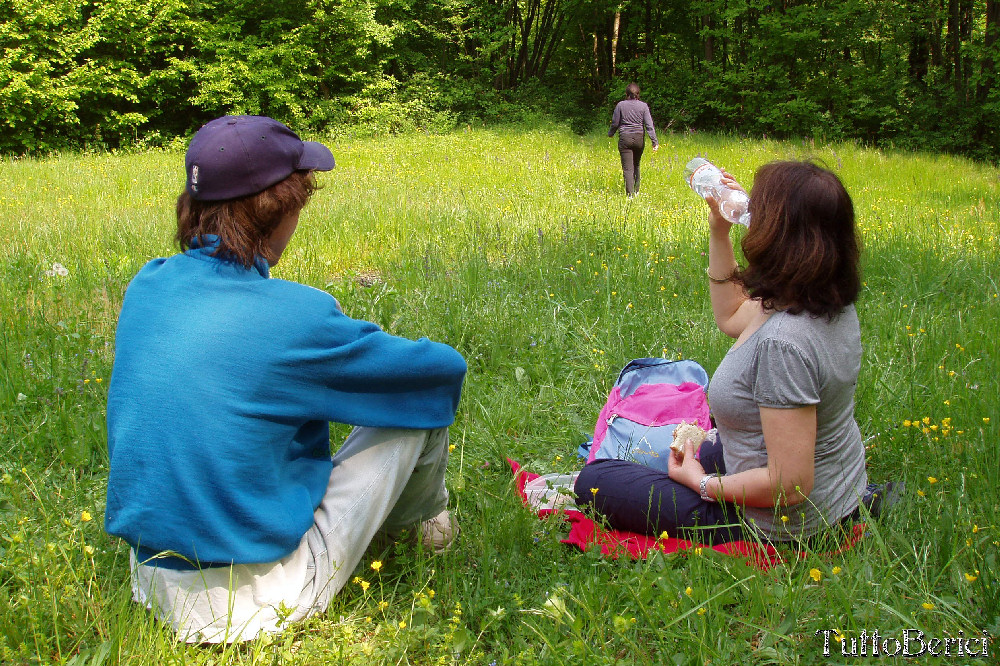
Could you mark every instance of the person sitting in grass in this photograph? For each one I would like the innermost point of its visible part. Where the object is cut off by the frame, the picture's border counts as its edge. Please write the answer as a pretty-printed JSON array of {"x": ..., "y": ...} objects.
[
  {"x": 789, "y": 461},
  {"x": 224, "y": 385}
]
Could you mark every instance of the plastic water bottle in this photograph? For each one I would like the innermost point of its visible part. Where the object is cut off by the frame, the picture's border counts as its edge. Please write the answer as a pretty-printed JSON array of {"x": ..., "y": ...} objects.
[{"x": 706, "y": 179}]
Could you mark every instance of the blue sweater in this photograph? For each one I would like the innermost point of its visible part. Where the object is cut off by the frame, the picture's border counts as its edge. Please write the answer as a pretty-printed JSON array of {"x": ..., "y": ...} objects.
[{"x": 219, "y": 404}]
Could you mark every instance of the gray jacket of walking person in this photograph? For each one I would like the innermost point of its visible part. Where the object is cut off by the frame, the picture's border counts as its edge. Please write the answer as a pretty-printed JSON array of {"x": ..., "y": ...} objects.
[{"x": 632, "y": 116}]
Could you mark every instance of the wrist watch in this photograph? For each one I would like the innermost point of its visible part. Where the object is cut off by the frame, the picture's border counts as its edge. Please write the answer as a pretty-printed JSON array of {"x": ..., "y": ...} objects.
[{"x": 703, "y": 488}]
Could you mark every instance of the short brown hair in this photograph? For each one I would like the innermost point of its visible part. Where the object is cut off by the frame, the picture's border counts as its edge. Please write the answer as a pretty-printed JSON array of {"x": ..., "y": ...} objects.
[
  {"x": 243, "y": 225},
  {"x": 802, "y": 248}
]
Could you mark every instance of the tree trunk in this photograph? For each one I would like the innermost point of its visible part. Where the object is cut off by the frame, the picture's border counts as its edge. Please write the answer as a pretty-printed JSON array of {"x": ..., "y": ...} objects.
[
  {"x": 706, "y": 22},
  {"x": 990, "y": 44},
  {"x": 614, "y": 41}
]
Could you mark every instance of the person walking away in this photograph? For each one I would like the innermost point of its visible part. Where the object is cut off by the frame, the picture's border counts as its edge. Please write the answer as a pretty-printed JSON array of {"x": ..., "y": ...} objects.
[{"x": 632, "y": 120}]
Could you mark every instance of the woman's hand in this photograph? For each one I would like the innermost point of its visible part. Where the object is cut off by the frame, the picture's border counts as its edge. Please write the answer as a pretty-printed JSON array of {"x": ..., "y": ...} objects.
[
  {"x": 684, "y": 468},
  {"x": 729, "y": 181}
]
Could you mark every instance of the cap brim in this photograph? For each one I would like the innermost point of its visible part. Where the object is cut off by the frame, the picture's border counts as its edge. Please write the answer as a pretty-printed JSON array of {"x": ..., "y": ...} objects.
[{"x": 315, "y": 157}]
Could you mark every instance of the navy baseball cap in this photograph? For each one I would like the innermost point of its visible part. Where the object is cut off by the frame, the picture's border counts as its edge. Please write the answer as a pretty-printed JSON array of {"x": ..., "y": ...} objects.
[{"x": 235, "y": 156}]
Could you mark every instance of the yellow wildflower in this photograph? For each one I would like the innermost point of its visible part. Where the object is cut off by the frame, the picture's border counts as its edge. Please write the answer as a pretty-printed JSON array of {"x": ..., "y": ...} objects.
[
  {"x": 688, "y": 591},
  {"x": 593, "y": 491},
  {"x": 836, "y": 570},
  {"x": 931, "y": 480},
  {"x": 927, "y": 605},
  {"x": 86, "y": 517},
  {"x": 376, "y": 565},
  {"x": 702, "y": 611},
  {"x": 815, "y": 574},
  {"x": 969, "y": 577}
]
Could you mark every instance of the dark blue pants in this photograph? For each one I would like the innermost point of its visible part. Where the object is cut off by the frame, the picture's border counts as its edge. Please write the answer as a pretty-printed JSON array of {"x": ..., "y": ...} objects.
[{"x": 633, "y": 497}]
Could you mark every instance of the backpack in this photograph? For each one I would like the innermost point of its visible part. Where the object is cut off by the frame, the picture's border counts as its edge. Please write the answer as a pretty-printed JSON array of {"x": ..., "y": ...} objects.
[{"x": 651, "y": 397}]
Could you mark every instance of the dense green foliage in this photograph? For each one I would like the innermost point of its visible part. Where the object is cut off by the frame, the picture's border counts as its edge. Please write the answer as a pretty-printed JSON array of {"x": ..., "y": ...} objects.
[
  {"x": 108, "y": 73},
  {"x": 535, "y": 267}
]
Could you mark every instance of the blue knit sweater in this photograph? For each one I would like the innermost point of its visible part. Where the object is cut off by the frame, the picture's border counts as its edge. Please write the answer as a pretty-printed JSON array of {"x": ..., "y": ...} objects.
[{"x": 219, "y": 404}]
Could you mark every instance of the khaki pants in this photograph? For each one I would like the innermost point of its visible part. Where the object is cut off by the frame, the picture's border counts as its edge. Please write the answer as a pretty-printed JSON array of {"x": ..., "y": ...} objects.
[{"x": 383, "y": 480}]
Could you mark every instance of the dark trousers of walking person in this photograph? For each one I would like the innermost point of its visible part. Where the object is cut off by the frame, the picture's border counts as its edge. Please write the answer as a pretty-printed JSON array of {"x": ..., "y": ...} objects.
[{"x": 630, "y": 146}]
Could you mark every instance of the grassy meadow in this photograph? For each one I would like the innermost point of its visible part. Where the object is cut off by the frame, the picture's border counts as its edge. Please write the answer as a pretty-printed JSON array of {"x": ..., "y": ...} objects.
[{"x": 516, "y": 245}]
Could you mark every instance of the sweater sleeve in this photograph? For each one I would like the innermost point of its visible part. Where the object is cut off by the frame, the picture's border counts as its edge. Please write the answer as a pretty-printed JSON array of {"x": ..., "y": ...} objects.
[
  {"x": 647, "y": 120},
  {"x": 351, "y": 371},
  {"x": 616, "y": 119}
]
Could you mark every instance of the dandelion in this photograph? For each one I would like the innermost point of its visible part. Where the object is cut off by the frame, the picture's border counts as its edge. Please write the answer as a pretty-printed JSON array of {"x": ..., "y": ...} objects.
[
  {"x": 86, "y": 517},
  {"x": 969, "y": 577},
  {"x": 927, "y": 605},
  {"x": 815, "y": 574},
  {"x": 376, "y": 565},
  {"x": 836, "y": 570}
]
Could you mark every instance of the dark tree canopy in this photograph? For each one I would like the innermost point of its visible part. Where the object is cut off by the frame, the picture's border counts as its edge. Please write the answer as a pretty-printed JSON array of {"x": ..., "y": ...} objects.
[{"x": 118, "y": 72}]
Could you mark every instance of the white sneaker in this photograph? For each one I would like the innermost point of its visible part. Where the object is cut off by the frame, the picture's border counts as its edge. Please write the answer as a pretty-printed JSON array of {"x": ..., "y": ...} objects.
[{"x": 439, "y": 532}]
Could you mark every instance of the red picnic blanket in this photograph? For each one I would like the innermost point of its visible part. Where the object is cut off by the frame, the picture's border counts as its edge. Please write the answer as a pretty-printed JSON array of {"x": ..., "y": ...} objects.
[{"x": 584, "y": 533}]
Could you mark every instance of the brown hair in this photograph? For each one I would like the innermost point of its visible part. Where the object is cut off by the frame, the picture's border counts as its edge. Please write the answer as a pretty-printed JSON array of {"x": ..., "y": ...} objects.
[
  {"x": 802, "y": 248},
  {"x": 243, "y": 225},
  {"x": 632, "y": 91}
]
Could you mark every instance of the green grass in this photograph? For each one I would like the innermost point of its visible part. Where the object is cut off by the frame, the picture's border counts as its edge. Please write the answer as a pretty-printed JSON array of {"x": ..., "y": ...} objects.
[{"x": 517, "y": 247}]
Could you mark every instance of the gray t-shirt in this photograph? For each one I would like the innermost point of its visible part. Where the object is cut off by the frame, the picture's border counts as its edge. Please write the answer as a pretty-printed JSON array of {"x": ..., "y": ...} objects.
[{"x": 795, "y": 361}]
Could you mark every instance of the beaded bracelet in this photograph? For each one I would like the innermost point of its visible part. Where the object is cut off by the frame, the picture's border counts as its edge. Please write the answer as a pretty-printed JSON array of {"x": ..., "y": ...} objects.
[{"x": 715, "y": 280}]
